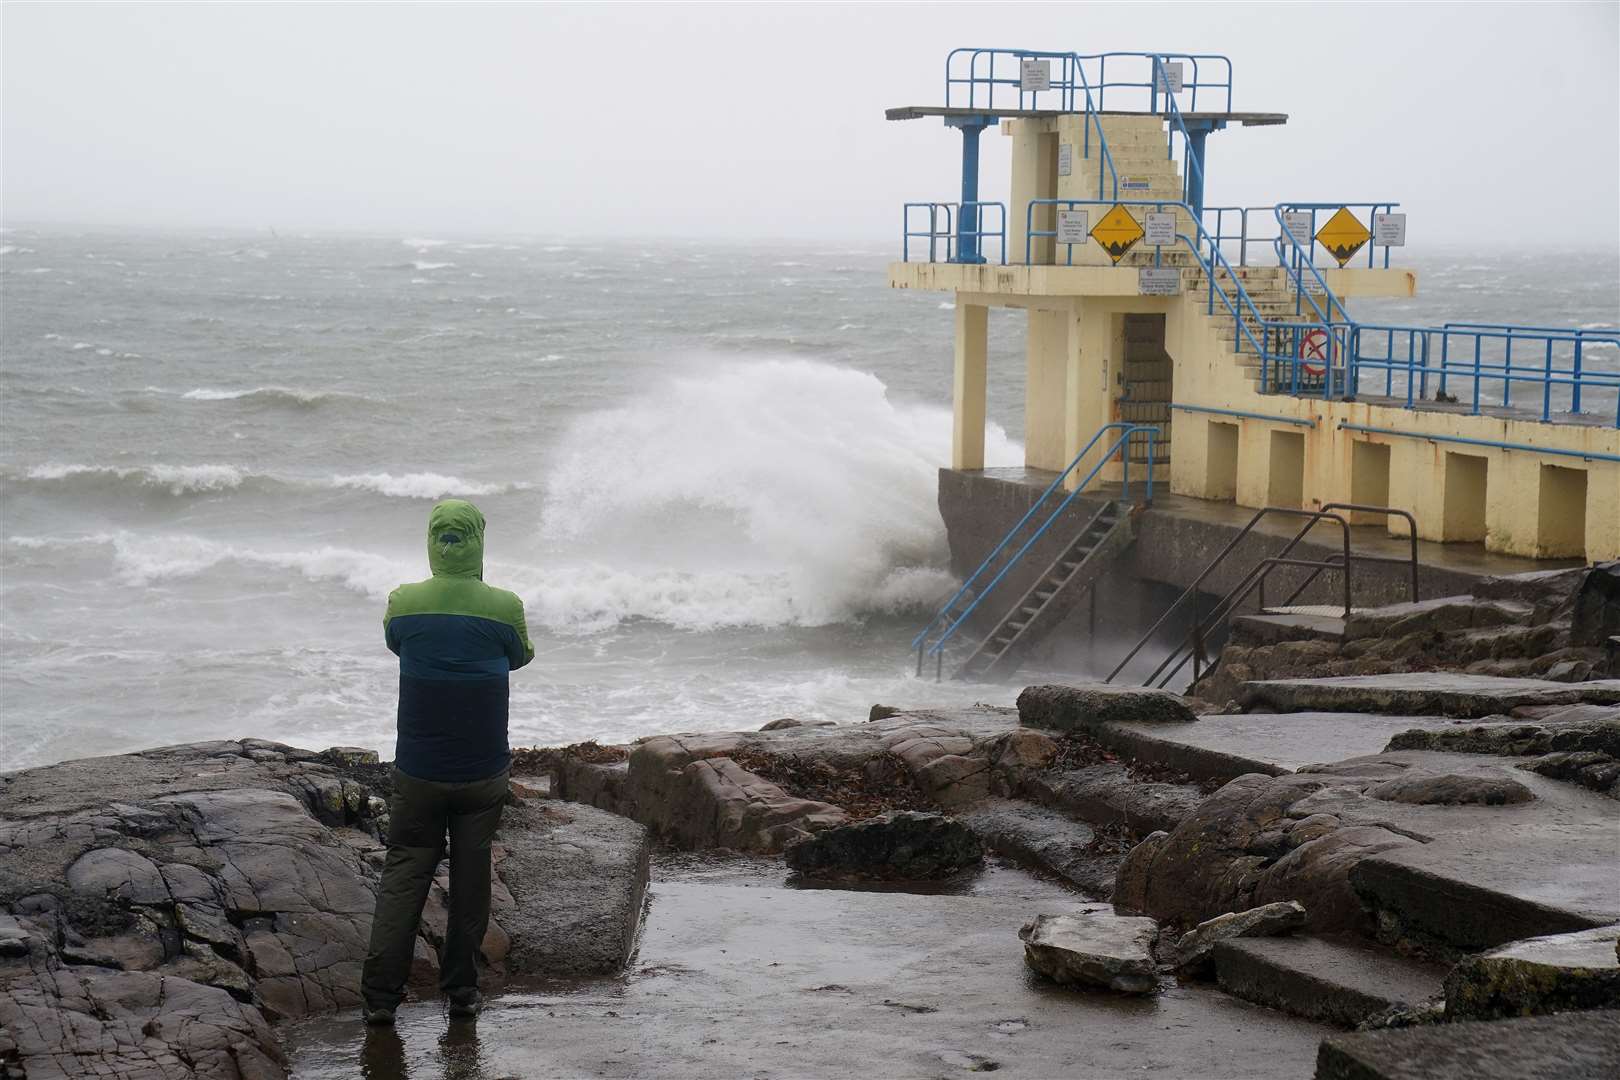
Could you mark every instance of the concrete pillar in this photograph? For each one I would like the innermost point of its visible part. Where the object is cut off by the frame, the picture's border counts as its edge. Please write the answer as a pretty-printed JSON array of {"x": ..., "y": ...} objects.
[
  {"x": 1086, "y": 398},
  {"x": 1046, "y": 345},
  {"x": 1603, "y": 512},
  {"x": 1034, "y": 176},
  {"x": 972, "y": 345}
]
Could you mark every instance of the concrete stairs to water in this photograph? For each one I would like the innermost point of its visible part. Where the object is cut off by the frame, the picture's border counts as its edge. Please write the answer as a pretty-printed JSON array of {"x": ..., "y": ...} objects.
[
  {"x": 1341, "y": 982},
  {"x": 1058, "y": 590}
]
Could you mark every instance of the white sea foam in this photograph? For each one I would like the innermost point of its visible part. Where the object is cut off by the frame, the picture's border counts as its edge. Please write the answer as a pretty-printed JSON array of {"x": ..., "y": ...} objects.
[
  {"x": 143, "y": 559},
  {"x": 422, "y": 264},
  {"x": 270, "y": 395},
  {"x": 946, "y": 305},
  {"x": 422, "y": 242},
  {"x": 765, "y": 493},
  {"x": 178, "y": 479},
  {"x": 423, "y": 485}
]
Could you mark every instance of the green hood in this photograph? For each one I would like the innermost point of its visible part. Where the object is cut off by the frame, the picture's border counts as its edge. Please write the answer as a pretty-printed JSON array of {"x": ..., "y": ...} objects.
[{"x": 456, "y": 540}]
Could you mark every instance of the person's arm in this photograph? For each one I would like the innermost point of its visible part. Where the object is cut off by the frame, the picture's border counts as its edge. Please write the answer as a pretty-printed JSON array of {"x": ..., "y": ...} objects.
[
  {"x": 390, "y": 638},
  {"x": 519, "y": 650}
]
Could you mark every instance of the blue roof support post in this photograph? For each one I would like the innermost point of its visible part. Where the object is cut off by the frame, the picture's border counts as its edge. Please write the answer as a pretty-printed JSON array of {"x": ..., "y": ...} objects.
[
  {"x": 1197, "y": 132},
  {"x": 967, "y": 221}
]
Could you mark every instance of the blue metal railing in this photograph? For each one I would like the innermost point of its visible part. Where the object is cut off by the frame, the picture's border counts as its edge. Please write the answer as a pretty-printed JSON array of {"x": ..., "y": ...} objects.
[
  {"x": 952, "y": 619},
  {"x": 1192, "y": 170},
  {"x": 1073, "y": 94},
  {"x": 1554, "y": 362},
  {"x": 952, "y": 233},
  {"x": 1201, "y": 64}
]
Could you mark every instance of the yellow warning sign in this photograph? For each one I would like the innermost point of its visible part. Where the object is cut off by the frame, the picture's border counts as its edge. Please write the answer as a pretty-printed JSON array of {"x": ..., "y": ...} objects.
[
  {"x": 1343, "y": 235},
  {"x": 1117, "y": 232}
]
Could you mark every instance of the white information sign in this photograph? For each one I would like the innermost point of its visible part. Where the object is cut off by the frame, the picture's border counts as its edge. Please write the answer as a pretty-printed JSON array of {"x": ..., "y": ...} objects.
[
  {"x": 1389, "y": 230},
  {"x": 1312, "y": 286},
  {"x": 1065, "y": 158},
  {"x": 1034, "y": 75},
  {"x": 1298, "y": 224},
  {"x": 1135, "y": 183},
  {"x": 1072, "y": 227},
  {"x": 1158, "y": 281},
  {"x": 1160, "y": 229},
  {"x": 1168, "y": 71}
]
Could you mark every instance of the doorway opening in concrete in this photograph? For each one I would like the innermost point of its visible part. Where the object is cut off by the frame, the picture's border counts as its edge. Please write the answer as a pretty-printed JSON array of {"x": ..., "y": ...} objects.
[
  {"x": 1561, "y": 524},
  {"x": 1147, "y": 371},
  {"x": 1369, "y": 475},
  {"x": 1285, "y": 484},
  {"x": 1221, "y": 461},
  {"x": 1463, "y": 513}
]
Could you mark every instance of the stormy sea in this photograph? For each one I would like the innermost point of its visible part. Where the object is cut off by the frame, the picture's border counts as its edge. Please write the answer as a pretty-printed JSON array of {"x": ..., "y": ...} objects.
[{"x": 708, "y": 470}]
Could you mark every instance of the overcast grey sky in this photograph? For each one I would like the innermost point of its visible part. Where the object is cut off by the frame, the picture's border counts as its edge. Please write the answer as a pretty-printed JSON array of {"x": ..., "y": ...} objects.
[{"x": 1492, "y": 123}]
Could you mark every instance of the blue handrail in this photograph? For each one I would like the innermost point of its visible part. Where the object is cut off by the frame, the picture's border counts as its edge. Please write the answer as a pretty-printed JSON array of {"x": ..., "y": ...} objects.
[
  {"x": 1190, "y": 162},
  {"x": 951, "y": 234},
  {"x": 1122, "y": 443}
]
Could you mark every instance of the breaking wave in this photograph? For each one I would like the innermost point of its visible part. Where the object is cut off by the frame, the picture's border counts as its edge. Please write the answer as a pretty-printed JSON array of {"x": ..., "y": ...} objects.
[
  {"x": 764, "y": 493},
  {"x": 181, "y": 480},
  {"x": 273, "y": 395}
]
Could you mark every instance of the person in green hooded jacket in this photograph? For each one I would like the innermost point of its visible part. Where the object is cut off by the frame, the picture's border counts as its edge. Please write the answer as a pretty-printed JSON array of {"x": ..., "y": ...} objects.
[{"x": 457, "y": 640}]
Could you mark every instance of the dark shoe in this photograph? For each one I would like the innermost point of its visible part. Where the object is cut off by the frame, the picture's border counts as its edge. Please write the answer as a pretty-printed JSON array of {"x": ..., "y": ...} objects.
[
  {"x": 465, "y": 1004},
  {"x": 379, "y": 1017}
]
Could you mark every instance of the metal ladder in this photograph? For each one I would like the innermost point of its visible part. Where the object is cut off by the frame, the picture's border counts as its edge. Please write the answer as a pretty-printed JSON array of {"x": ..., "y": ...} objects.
[
  {"x": 1053, "y": 595},
  {"x": 984, "y": 582}
]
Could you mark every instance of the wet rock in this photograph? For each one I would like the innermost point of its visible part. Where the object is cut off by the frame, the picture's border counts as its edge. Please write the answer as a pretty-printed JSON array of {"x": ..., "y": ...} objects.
[
  {"x": 1084, "y": 707},
  {"x": 1596, "y": 614},
  {"x": 1451, "y": 789},
  {"x": 116, "y": 872},
  {"x": 899, "y": 846},
  {"x": 789, "y": 722},
  {"x": 882, "y": 712},
  {"x": 1562, "y": 728},
  {"x": 349, "y": 755},
  {"x": 1589, "y": 768},
  {"x": 1093, "y": 949},
  {"x": 1239, "y": 849},
  {"x": 1022, "y": 749},
  {"x": 1050, "y": 841},
  {"x": 71, "y": 1022},
  {"x": 955, "y": 779},
  {"x": 1538, "y": 975},
  {"x": 1195, "y": 949}
]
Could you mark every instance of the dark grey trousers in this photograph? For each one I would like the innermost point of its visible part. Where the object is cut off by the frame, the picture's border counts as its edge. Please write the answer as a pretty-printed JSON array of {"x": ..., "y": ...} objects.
[{"x": 420, "y": 816}]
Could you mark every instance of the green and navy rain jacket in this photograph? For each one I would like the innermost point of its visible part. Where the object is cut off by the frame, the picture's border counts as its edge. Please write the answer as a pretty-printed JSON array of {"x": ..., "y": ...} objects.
[{"x": 457, "y": 639}]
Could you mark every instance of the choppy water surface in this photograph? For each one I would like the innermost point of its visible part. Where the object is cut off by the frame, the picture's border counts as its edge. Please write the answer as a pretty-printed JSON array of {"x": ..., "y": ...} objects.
[{"x": 708, "y": 470}]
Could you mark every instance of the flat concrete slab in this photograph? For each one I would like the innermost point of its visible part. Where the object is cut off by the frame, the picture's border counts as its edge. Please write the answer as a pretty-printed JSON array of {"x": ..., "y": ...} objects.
[
  {"x": 1570, "y": 1046},
  {"x": 1489, "y": 875},
  {"x": 1433, "y": 693},
  {"x": 1334, "y": 982},
  {"x": 741, "y": 976},
  {"x": 1224, "y": 746}
]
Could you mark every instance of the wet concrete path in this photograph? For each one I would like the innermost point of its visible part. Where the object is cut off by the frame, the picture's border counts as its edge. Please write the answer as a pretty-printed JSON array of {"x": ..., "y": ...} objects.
[{"x": 740, "y": 975}]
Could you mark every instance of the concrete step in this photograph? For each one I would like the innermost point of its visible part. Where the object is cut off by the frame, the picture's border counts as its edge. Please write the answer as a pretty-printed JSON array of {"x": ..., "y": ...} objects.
[
  {"x": 1106, "y": 795},
  {"x": 1332, "y": 982},
  {"x": 1581, "y": 1045},
  {"x": 1045, "y": 839}
]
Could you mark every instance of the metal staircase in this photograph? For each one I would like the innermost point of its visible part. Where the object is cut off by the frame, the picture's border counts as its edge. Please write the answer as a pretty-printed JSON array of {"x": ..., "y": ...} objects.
[
  {"x": 1058, "y": 590},
  {"x": 1028, "y": 618}
]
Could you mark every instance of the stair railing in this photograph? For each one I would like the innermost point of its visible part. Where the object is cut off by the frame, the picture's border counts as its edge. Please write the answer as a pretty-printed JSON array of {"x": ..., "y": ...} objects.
[
  {"x": 953, "y": 622},
  {"x": 1206, "y": 624}
]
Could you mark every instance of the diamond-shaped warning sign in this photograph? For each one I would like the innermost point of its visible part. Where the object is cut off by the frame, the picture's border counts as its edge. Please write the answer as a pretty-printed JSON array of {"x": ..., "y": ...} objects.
[
  {"x": 1343, "y": 235},
  {"x": 1117, "y": 232}
]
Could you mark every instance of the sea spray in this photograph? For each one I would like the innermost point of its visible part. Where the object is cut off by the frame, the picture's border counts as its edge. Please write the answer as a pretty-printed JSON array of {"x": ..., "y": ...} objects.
[{"x": 761, "y": 492}]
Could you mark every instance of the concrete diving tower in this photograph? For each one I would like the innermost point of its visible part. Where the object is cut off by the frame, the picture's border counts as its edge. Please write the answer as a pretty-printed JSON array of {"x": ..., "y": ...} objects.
[{"x": 1223, "y": 329}]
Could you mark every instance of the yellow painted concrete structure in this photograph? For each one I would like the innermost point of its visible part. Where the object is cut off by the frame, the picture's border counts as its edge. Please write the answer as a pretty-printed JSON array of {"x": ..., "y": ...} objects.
[{"x": 1082, "y": 327}]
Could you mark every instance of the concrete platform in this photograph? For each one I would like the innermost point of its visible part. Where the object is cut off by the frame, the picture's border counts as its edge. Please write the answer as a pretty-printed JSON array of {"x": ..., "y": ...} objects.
[
  {"x": 1570, "y": 1046},
  {"x": 1432, "y": 693},
  {"x": 1329, "y": 981},
  {"x": 741, "y": 976},
  {"x": 1224, "y": 746}
]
